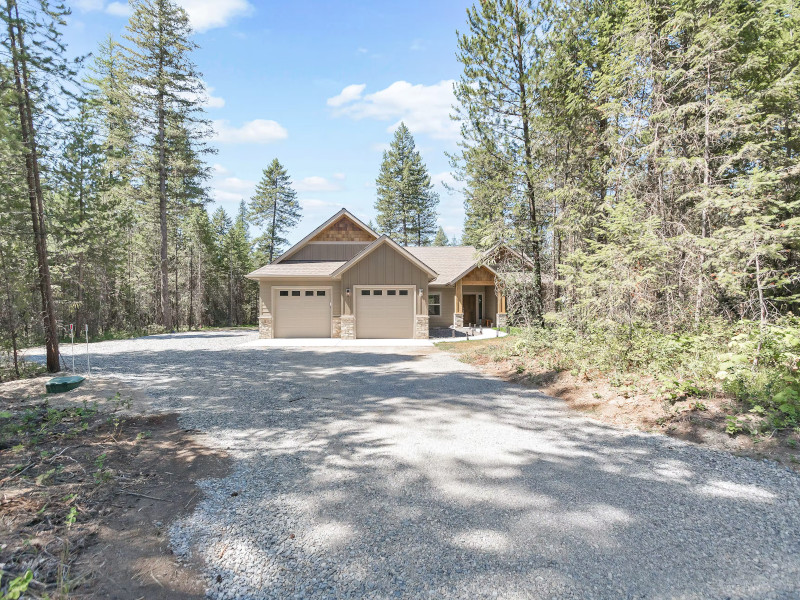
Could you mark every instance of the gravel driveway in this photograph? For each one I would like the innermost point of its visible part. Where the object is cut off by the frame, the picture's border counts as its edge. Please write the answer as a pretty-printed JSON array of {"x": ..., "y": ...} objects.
[{"x": 402, "y": 473}]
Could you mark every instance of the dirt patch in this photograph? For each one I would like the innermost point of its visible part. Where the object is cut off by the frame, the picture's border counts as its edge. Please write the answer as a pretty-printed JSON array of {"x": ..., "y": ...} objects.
[
  {"x": 636, "y": 405},
  {"x": 88, "y": 489}
]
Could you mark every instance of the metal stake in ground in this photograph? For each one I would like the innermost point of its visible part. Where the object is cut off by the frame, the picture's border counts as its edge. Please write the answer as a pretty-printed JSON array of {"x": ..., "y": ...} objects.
[
  {"x": 72, "y": 335},
  {"x": 88, "y": 366}
]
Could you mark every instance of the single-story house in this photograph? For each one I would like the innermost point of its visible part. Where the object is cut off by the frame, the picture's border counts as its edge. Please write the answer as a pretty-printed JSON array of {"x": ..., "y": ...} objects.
[{"x": 343, "y": 280}]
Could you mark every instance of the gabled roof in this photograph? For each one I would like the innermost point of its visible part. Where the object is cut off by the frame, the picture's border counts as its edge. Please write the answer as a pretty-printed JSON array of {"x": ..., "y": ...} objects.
[
  {"x": 304, "y": 269},
  {"x": 450, "y": 262},
  {"x": 385, "y": 239},
  {"x": 342, "y": 213}
]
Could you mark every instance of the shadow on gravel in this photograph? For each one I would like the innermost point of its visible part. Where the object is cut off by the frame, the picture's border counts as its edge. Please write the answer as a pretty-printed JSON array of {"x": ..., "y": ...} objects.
[{"x": 387, "y": 474}]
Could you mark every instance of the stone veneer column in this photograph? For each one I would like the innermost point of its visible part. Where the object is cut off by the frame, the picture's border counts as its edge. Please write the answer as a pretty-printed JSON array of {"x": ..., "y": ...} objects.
[
  {"x": 348, "y": 327},
  {"x": 458, "y": 319},
  {"x": 502, "y": 319},
  {"x": 265, "y": 327},
  {"x": 422, "y": 327},
  {"x": 336, "y": 327}
]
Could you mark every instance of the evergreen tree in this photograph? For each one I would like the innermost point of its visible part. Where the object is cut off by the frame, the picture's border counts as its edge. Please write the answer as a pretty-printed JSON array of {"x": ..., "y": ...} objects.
[
  {"x": 169, "y": 94},
  {"x": 274, "y": 207},
  {"x": 406, "y": 203},
  {"x": 441, "y": 238}
]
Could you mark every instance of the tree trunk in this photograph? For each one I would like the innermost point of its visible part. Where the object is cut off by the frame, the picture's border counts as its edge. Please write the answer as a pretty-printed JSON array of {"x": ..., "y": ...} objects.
[
  {"x": 706, "y": 184},
  {"x": 273, "y": 233},
  {"x": 25, "y": 107},
  {"x": 191, "y": 286}
]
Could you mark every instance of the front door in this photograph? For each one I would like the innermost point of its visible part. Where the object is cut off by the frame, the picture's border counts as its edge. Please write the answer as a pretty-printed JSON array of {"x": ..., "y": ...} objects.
[{"x": 470, "y": 310}]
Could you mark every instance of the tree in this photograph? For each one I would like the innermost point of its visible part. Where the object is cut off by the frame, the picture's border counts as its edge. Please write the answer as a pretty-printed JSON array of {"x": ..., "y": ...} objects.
[
  {"x": 34, "y": 48},
  {"x": 441, "y": 238},
  {"x": 274, "y": 207},
  {"x": 406, "y": 203},
  {"x": 497, "y": 93},
  {"x": 169, "y": 93}
]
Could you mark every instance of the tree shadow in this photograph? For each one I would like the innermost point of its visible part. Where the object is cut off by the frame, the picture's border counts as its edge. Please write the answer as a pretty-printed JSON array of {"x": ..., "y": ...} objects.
[{"x": 384, "y": 473}]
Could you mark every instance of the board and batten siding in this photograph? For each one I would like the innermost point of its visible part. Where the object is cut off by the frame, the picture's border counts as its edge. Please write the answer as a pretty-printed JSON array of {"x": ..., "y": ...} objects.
[
  {"x": 385, "y": 266},
  {"x": 265, "y": 291},
  {"x": 327, "y": 251},
  {"x": 448, "y": 300}
]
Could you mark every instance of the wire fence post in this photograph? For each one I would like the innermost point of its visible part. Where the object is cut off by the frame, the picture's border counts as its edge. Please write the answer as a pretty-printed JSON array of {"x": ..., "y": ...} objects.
[
  {"x": 88, "y": 365},
  {"x": 72, "y": 337}
]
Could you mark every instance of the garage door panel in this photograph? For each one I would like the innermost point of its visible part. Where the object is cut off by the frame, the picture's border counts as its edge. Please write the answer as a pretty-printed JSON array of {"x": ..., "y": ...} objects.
[
  {"x": 384, "y": 313},
  {"x": 302, "y": 312}
]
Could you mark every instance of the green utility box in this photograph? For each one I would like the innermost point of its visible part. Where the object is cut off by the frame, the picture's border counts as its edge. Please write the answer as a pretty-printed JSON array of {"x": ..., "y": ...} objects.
[{"x": 58, "y": 385}]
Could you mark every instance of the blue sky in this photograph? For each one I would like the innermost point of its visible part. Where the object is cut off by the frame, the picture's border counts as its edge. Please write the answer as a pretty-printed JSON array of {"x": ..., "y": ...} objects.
[{"x": 320, "y": 86}]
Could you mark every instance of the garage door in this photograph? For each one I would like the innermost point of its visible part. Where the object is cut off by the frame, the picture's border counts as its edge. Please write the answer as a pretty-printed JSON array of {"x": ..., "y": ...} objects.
[
  {"x": 302, "y": 312},
  {"x": 384, "y": 313}
]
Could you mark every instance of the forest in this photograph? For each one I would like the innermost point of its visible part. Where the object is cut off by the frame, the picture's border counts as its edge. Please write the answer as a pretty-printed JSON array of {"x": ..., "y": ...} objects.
[{"x": 642, "y": 153}]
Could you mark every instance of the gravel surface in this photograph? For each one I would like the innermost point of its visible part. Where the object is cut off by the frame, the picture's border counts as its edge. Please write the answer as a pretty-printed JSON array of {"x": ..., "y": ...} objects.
[{"x": 402, "y": 473}]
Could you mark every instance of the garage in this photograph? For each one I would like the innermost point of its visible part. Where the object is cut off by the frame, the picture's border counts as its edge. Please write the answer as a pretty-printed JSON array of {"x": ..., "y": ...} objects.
[
  {"x": 302, "y": 313},
  {"x": 386, "y": 312}
]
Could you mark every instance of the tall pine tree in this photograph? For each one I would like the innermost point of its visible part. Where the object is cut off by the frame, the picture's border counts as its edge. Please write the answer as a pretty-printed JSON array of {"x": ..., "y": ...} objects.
[{"x": 274, "y": 207}]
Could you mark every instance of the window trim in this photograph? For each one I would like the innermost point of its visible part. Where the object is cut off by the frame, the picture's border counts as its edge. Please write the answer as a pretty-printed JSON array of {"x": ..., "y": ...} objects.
[{"x": 437, "y": 304}]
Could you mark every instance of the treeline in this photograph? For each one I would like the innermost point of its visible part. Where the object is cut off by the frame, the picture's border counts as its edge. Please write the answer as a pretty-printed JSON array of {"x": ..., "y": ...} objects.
[
  {"x": 103, "y": 190},
  {"x": 643, "y": 153}
]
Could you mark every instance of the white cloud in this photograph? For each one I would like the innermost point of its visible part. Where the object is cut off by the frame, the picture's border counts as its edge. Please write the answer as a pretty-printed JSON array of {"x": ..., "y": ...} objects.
[
  {"x": 232, "y": 189},
  {"x": 119, "y": 9},
  {"x": 317, "y": 184},
  {"x": 219, "y": 169},
  {"x": 348, "y": 94},
  {"x": 212, "y": 101},
  {"x": 444, "y": 179},
  {"x": 339, "y": 176},
  {"x": 210, "y": 14},
  {"x": 258, "y": 131},
  {"x": 423, "y": 108}
]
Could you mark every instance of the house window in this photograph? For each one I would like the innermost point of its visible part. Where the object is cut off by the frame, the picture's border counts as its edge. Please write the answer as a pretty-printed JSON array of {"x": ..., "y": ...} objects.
[
  {"x": 284, "y": 292},
  {"x": 295, "y": 292},
  {"x": 365, "y": 292},
  {"x": 434, "y": 305},
  {"x": 309, "y": 292},
  {"x": 404, "y": 292}
]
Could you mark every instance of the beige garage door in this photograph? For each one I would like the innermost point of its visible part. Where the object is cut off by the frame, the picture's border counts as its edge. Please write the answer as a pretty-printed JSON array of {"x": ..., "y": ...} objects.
[
  {"x": 384, "y": 313},
  {"x": 302, "y": 312}
]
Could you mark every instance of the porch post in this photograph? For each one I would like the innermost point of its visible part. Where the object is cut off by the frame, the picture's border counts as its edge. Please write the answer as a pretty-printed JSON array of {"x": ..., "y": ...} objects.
[
  {"x": 502, "y": 314},
  {"x": 458, "y": 315}
]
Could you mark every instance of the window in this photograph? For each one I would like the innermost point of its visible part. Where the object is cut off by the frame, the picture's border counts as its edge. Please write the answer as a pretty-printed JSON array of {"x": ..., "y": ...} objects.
[
  {"x": 391, "y": 292},
  {"x": 295, "y": 292},
  {"x": 309, "y": 292},
  {"x": 434, "y": 305},
  {"x": 377, "y": 292},
  {"x": 404, "y": 292},
  {"x": 320, "y": 292},
  {"x": 365, "y": 292},
  {"x": 284, "y": 292}
]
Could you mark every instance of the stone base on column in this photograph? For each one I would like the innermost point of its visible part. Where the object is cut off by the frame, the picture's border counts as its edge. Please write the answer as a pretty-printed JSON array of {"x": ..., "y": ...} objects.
[
  {"x": 458, "y": 319},
  {"x": 502, "y": 319},
  {"x": 336, "y": 327},
  {"x": 348, "y": 327},
  {"x": 421, "y": 327},
  {"x": 265, "y": 327}
]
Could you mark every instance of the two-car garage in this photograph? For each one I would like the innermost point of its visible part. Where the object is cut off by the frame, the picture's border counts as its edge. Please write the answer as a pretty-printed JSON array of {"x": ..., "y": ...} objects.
[{"x": 383, "y": 312}]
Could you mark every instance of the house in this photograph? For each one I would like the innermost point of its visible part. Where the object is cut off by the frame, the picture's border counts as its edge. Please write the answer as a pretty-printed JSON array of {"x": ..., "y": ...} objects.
[{"x": 343, "y": 280}]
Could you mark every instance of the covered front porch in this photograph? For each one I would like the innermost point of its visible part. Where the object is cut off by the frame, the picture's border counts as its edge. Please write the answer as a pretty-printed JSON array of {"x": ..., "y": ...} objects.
[{"x": 473, "y": 301}]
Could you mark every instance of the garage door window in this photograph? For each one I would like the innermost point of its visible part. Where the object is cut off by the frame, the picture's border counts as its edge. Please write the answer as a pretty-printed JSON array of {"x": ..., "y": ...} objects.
[
  {"x": 309, "y": 292},
  {"x": 404, "y": 292},
  {"x": 284, "y": 292},
  {"x": 365, "y": 292},
  {"x": 377, "y": 292},
  {"x": 320, "y": 292},
  {"x": 295, "y": 292},
  {"x": 391, "y": 292},
  {"x": 434, "y": 305}
]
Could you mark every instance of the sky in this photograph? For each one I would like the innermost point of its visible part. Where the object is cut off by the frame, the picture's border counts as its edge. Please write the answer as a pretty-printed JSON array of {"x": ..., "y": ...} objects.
[{"x": 319, "y": 85}]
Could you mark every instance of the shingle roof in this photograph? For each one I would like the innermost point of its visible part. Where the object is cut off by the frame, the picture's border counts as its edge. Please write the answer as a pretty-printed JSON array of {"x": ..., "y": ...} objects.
[
  {"x": 298, "y": 269},
  {"x": 448, "y": 261}
]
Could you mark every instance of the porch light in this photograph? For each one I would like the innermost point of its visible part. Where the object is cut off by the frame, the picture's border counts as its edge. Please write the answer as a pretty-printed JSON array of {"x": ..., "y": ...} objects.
[{"x": 347, "y": 291}]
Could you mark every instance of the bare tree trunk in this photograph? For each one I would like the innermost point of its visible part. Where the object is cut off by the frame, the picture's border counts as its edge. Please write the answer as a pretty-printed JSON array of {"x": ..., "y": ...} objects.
[
  {"x": 25, "y": 107},
  {"x": 706, "y": 183},
  {"x": 191, "y": 286}
]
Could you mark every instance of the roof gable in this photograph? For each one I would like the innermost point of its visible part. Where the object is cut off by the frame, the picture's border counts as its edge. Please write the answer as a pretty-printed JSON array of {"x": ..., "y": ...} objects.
[
  {"x": 336, "y": 229},
  {"x": 381, "y": 241}
]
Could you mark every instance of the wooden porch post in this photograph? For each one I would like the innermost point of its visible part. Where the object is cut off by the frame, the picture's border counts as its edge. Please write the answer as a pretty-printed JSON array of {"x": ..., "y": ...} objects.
[{"x": 458, "y": 316}]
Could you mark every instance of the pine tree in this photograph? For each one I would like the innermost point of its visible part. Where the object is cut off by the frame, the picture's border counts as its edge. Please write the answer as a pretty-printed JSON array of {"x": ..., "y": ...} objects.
[
  {"x": 169, "y": 93},
  {"x": 406, "y": 203},
  {"x": 38, "y": 68},
  {"x": 441, "y": 238},
  {"x": 274, "y": 207}
]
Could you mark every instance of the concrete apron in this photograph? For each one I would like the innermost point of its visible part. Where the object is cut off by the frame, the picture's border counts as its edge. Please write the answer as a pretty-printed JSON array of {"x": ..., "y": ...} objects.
[{"x": 382, "y": 343}]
